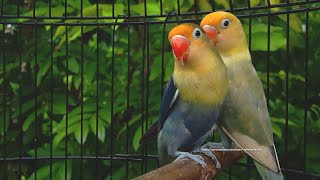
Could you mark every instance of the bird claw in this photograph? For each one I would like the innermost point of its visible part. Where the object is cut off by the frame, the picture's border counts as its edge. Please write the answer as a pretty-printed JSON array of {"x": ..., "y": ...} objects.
[
  {"x": 197, "y": 158},
  {"x": 208, "y": 153}
]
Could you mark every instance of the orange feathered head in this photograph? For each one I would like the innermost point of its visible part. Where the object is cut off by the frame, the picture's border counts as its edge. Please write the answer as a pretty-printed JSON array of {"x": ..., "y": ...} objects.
[
  {"x": 224, "y": 29},
  {"x": 183, "y": 36}
]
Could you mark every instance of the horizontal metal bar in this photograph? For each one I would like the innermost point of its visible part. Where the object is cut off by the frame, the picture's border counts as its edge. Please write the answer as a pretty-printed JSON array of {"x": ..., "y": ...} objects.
[
  {"x": 131, "y": 157},
  {"x": 156, "y": 22},
  {"x": 261, "y": 7},
  {"x": 282, "y": 169}
]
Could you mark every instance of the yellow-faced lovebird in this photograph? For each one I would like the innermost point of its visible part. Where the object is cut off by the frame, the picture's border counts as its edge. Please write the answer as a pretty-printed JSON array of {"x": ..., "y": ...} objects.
[
  {"x": 244, "y": 118},
  {"x": 191, "y": 105}
]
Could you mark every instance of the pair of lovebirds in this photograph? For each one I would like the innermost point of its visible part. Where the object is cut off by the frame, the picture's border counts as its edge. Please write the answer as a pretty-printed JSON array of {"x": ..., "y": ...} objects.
[{"x": 214, "y": 85}]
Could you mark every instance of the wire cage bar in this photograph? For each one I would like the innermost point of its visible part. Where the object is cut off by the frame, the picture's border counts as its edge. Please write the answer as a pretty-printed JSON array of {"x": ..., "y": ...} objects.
[{"x": 81, "y": 81}]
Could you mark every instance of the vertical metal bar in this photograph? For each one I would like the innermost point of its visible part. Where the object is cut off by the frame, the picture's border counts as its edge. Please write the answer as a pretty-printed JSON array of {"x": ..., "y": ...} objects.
[
  {"x": 67, "y": 104},
  {"x": 2, "y": 7},
  {"x": 142, "y": 94},
  {"x": 212, "y": 5},
  {"x": 112, "y": 97},
  {"x": 269, "y": 4},
  {"x": 195, "y": 7},
  {"x": 81, "y": 9},
  {"x": 51, "y": 99},
  {"x": 287, "y": 88},
  {"x": 129, "y": 8},
  {"x": 4, "y": 101},
  {"x": 50, "y": 13},
  {"x": 162, "y": 53},
  {"x": 268, "y": 61},
  {"x": 178, "y": 3},
  {"x": 306, "y": 103},
  {"x": 112, "y": 8},
  {"x": 18, "y": 8},
  {"x": 177, "y": 18},
  {"x": 97, "y": 102},
  {"x": 20, "y": 103},
  {"x": 34, "y": 9},
  {"x": 231, "y": 5},
  {"x": 147, "y": 90},
  {"x": 36, "y": 68},
  {"x": 230, "y": 173},
  {"x": 97, "y": 9},
  {"x": 161, "y": 8},
  {"x": 65, "y": 8},
  {"x": 128, "y": 97},
  {"x": 145, "y": 8},
  {"x": 81, "y": 114}
]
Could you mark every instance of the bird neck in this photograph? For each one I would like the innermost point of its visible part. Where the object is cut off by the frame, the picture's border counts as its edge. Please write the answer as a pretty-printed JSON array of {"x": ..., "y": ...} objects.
[
  {"x": 205, "y": 84},
  {"x": 232, "y": 53}
]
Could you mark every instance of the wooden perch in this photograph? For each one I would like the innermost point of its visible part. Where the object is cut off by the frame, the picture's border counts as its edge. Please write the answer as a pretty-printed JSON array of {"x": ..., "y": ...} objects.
[{"x": 188, "y": 169}]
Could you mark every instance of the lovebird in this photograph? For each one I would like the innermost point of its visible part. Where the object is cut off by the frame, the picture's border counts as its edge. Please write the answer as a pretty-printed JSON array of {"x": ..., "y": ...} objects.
[
  {"x": 244, "y": 118},
  {"x": 192, "y": 104}
]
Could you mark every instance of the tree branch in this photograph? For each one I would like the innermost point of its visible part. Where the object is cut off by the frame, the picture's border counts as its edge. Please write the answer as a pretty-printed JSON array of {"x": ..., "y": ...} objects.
[{"x": 188, "y": 169}]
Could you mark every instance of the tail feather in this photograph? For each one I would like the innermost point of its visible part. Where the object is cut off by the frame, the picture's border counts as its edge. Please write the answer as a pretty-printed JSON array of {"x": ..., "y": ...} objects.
[
  {"x": 276, "y": 156},
  {"x": 151, "y": 133},
  {"x": 267, "y": 174}
]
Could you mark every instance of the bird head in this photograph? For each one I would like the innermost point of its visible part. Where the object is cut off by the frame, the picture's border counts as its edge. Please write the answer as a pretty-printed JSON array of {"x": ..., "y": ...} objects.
[
  {"x": 225, "y": 30},
  {"x": 185, "y": 40}
]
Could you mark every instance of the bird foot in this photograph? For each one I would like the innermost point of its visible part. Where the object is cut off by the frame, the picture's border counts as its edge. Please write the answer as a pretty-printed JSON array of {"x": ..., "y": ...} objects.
[
  {"x": 208, "y": 153},
  {"x": 197, "y": 158}
]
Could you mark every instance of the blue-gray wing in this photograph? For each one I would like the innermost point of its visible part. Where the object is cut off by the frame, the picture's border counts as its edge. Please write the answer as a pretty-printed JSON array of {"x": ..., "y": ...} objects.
[{"x": 168, "y": 100}]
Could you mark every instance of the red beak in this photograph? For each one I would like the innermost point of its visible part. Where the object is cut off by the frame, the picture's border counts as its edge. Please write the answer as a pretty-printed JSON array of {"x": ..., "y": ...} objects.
[
  {"x": 211, "y": 32},
  {"x": 180, "y": 46}
]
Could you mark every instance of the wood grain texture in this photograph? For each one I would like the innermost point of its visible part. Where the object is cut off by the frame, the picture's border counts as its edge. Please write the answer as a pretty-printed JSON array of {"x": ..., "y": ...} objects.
[{"x": 187, "y": 169}]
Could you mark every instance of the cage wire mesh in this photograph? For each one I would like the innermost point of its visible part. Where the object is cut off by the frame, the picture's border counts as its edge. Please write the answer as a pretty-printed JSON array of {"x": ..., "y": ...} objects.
[{"x": 81, "y": 81}]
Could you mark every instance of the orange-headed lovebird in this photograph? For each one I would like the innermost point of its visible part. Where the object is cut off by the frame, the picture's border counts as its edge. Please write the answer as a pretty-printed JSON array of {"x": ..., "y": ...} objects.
[
  {"x": 244, "y": 118},
  {"x": 191, "y": 105}
]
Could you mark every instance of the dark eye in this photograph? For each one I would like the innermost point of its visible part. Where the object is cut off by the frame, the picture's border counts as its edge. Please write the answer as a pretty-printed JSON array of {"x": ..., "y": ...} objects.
[
  {"x": 196, "y": 33},
  {"x": 225, "y": 23}
]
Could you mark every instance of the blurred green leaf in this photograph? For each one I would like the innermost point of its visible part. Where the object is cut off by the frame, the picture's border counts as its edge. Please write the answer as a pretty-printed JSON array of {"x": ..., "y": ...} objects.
[
  {"x": 277, "y": 130},
  {"x": 77, "y": 81},
  {"x": 28, "y": 121},
  {"x": 101, "y": 129},
  {"x": 62, "y": 134},
  {"x": 42, "y": 71},
  {"x": 14, "y": 87},
  {"x": 260, "y": 37},
  {"x": 136, "y": 139},
  {"x": 132, "y": 121},
  {"x": 58, "y": 170},
  {"x": 85, "y": 131},
  {"x": 73, "y": 65},
  {"x": 282, "y": 121}
]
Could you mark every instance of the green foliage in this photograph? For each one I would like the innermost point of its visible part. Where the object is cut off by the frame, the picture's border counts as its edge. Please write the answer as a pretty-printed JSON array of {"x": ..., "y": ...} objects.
[{"x": 67, "y": 95}]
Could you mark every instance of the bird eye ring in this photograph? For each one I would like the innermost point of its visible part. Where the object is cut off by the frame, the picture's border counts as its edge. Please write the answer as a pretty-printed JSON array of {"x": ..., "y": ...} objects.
[
  {"x": 225, "y": 23},
  {"x": 196, "y": 33}
]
